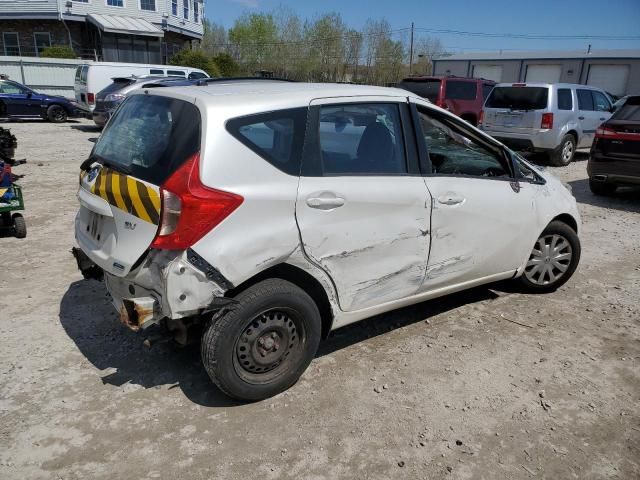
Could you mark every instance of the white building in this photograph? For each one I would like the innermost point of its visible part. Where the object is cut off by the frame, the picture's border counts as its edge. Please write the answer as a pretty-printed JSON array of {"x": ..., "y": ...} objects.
[{"x": 144, "y": 31}]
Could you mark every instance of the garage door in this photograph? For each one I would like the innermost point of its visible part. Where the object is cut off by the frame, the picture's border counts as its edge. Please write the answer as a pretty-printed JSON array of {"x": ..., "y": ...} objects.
[
  {"x": 490, "y": 72},
  {"x": 543, "y": 73},
  {"x": 612, "y": 78}
]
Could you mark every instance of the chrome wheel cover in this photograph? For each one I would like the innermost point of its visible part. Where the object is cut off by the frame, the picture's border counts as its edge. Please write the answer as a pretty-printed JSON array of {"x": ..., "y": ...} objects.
[{"x": 549, "y": 260}]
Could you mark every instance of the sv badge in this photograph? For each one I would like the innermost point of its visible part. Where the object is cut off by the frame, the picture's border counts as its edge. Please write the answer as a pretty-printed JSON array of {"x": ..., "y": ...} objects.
[{"x": 129, "y": 226}]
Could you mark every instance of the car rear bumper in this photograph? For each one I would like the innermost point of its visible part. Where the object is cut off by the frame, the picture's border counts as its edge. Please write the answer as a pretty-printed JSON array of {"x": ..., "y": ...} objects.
[
  {"x": 613, "y": 169},
  {"x": 529, "y": 140},
  {"x": 100, "y": 118}
]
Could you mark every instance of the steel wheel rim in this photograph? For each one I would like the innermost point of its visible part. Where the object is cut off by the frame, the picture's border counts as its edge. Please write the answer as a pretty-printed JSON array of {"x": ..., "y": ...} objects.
[
  {"x": 268, "y": 345},
  {"x": 549, "y": 260},
  {"x": 567, "y": 151},
  {"x": 58, "y": 113}
]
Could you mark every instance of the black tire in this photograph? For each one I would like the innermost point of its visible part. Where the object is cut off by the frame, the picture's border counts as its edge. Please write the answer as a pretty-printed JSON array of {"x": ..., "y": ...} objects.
[
  {"x": 56, "y": 114},
  {"x": 233, "y": 347},
  {"x": 3, "y": 110},
  {"x": 19, "y": 226},
  {"x": 602, "y": 188},
  {"x": 562, "y": 230},
  {"x": 564, "y": 154}
]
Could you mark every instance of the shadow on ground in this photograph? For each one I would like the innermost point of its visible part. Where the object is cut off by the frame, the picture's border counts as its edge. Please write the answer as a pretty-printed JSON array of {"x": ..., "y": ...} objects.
[
  {"x": 625, "y": 199},
  {"x": 87, "y": 128},
  {"x": 91, "y": 322}
]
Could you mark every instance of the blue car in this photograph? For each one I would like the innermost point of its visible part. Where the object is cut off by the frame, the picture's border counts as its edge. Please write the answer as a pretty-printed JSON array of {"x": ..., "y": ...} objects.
[{"x": 18, "y": 101}]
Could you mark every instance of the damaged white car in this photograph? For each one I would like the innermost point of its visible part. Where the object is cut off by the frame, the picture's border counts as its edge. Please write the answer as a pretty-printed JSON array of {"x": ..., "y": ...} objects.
[{"x": 272, "y": 213}]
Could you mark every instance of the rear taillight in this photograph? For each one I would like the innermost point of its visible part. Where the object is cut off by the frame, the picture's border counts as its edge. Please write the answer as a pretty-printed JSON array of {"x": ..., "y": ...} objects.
[
  {"x": 604, "y": 131},
  {"x": 91, "y": 98},
  {"x": 481, "y": 117},
  {"x": 190, "y": 209},
  {"x": 547, "y": 121}
]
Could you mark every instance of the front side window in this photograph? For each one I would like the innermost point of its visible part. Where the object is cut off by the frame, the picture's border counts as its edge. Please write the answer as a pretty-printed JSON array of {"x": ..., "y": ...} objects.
[
  {"x": 361, "y": 139},
  {"x": 185, "y": 9},
  {"x": 42, "y": 40},
  {"x": 115, "y": 3},
  {"x": 565, "y": 99},
  {"x": 459, "y": 90},
  {"x": 149, "y": 5},
  {"x": 600, "y": 102},
  {"x": 11, "y": 44},
  {"x": 454, "y": 151},
  {"x": 174, "y": 7},
  {"x": 277, "y": 137},
  {"x": 585, "y": 100},
  {"x": 13, "y": 88}
]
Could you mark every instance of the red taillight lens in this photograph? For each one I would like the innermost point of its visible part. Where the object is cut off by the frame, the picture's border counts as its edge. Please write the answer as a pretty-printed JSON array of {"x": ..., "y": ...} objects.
[
  {"x": 547, "y": 121},
  {"x": 91, "y": 98},
  {"x": 604, "y": 131},
  {"x": 190, "y": 209}
]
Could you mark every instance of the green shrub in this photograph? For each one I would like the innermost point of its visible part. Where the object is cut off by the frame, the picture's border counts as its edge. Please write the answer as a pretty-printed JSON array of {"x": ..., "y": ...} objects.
[
  {"x": 58, "y": 51},
  {"x": 227, "y": 65},
  {"x": 195, "y": 59}
]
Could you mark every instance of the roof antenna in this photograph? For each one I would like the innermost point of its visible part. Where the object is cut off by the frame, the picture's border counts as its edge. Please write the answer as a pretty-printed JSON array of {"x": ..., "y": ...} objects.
[{"x": 589, "y": 50}]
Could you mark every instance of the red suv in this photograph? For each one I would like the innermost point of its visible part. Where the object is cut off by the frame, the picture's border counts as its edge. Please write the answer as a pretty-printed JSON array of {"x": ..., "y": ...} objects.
[{"x": 462, "y": 96}]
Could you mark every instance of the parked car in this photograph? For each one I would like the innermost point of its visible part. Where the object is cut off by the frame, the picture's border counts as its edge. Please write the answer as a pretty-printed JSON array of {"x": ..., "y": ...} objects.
[
  {"x": 95, "y": 76},
  {"x": 18, "y": 101},
  {"x": 108, "y": 99},
  {"x": 462, "y": 96},
  {"x": 615, "y": 154},
  {"x": 271, "y": 213},
  {"x": 541, "y": 117}
]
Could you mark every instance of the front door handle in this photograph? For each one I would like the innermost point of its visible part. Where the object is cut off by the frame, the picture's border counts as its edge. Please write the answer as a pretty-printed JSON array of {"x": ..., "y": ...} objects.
[
  {"x": 580, "y": 118},
  {"x": 325, "y": 203},
  {"x": 450, "y": 199},
  {"x": 603, "y": 118}
]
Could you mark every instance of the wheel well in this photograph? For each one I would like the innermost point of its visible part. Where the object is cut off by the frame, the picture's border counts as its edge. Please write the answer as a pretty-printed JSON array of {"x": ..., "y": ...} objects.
[
  {"x": 574, "y": 134},
  {"x": 300, "y": 278},
  {"x": 567, "y": 219}
]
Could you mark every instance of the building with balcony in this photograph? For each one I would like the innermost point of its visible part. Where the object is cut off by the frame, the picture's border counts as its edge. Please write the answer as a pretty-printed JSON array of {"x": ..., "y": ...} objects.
[{"x": 139, "y": 31}]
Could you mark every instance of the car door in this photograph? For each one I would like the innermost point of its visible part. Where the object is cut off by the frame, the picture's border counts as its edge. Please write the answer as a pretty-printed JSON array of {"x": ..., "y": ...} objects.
[
  {"x": 602, "y": 107},
  {"x": 363, "y": 208},
  {"x": 480, "y": 228},
  {"x": 16, "y": 98},
  {"x": 588, "y": 115}
]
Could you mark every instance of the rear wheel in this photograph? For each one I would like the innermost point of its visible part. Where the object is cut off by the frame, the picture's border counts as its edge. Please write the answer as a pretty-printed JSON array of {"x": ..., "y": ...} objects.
[
  {"x": 56, "y": 114},
  {"x": 19, "y": 226},
  {"x": 564, "y": 154},
  {"x": 602, "y": 188},
  {"x": 553, "y": 260},
  {"x": 262, "y": 346}
]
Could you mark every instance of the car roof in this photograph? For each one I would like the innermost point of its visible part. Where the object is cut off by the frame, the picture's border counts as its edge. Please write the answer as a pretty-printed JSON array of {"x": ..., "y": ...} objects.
[
  {"x": 275, "y": 94},
  {"x": 547, "y": 85}
]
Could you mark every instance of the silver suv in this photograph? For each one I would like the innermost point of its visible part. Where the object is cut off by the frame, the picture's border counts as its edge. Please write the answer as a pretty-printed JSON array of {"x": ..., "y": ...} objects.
[{"x": 543, "y": 117}]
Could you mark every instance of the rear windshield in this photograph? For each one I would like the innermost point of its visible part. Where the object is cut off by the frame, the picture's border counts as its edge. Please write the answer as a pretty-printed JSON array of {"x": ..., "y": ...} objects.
[
  {"x": 149, "y": 137},
  {"x": 429, "y": 89},
  {"x": 630, "y": 110},
  {"x": 459, "y": 90},
  {"x": 518, "y": 98},
  {"x": 117, "y": 84}
]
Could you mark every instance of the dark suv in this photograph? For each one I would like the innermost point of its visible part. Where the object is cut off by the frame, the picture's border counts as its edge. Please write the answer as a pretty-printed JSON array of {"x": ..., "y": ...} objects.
[{"x": 462, "y": 96}]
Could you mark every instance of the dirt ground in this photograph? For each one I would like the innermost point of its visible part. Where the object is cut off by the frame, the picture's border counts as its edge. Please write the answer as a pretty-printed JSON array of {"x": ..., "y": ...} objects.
[{"x": 465, "y": 392}]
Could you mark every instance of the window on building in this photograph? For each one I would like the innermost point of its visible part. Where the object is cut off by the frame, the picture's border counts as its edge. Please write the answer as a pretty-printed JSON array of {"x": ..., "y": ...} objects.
[
  {"x": 174, "y": 7},
  {"x": 11, "y": 44},
  {"x": 115, "y": 3},
  {"x": 148, "y": 5},
  {"x": 81, "y": 1},
  {"x": 42, "y": 40},
  {"x": 185, "y": 9},
  {"x": 196, "y": 11}
]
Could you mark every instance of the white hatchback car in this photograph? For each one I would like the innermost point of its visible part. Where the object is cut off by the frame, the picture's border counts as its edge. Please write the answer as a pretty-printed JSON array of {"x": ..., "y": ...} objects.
[{"x": 275, "y": 212}]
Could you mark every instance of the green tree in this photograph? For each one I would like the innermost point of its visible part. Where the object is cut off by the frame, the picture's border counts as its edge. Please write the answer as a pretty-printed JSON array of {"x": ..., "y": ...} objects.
[
  {"x": 227, "y": 66},
  {"x": 58, "y": 51},
  {"x": 195, "y": 59},
  {"x": 254, "y": 37}
]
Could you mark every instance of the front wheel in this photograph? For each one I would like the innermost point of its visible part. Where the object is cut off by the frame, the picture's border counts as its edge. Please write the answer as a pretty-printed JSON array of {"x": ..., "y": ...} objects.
[
  {"x": 56, "y": 114},
  {"x": 564, "y": 154},
  {"x": 19, "y": 226},
  {"x": 262, "y": 346},
  {"x": 553, "y": 260}
]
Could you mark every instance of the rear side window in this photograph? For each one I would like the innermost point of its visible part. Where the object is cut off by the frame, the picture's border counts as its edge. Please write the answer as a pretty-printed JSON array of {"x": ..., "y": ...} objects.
[
  {"x": 486, "y": 90},
  {"x": 457, "y": 90},
  {"x": 275, "y": 136},
  {"x": 518, "y": 98},
  {"x": 630, "y": 110},
  {"x": 429, "y": 89},
  {"x": 196, "y": 75},
  {"x": 585, "y": 100},
  {"x": 361, "y": 139},
  {"x": 156, "y": 72},
  {"x": 565, "y": 99},
  {"x": 149, "y": 137},
  {"x": 176, "y": 73}
]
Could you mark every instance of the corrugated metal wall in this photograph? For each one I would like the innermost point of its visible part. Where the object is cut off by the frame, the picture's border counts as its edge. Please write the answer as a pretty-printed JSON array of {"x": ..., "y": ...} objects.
[{"x": 46, "y": 75}]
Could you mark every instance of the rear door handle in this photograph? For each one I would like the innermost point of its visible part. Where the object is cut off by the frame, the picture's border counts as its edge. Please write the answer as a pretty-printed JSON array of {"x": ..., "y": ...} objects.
[
  {"x": 580, "y": 118},
  {"x": 450, "y": 200},
  {"x": 603, "y": 118},
  {"x": 325, "y": 203}
]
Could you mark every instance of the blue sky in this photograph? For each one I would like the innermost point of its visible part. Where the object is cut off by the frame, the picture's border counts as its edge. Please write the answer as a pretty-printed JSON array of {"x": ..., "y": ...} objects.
[{"x": 538, "y": 17}]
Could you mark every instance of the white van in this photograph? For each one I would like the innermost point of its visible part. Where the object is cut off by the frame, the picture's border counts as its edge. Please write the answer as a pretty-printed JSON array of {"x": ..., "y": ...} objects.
[{"x": 93, "y": 77}]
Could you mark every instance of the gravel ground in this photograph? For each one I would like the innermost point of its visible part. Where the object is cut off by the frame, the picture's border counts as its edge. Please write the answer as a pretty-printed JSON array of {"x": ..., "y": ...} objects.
[{"x": 464, "y": 392}]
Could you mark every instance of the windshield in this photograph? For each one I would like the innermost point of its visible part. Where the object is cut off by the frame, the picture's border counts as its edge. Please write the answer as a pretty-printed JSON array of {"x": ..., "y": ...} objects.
[
  {"x": 429, "y": 89},
  {"x": 630, "y": 110},
  {"x": 118, "y": 84},
  {"x": 518, "y": 98},
  {"x": 149, "y": 137}
]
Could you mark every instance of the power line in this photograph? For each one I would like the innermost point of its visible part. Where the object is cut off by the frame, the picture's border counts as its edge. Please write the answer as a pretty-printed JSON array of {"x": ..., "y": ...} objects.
[{"x": 529, "y": 36}]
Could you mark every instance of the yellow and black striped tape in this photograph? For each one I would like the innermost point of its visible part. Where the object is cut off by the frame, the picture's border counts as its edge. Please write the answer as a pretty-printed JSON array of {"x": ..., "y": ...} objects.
[{"x": 128, "y": 194}]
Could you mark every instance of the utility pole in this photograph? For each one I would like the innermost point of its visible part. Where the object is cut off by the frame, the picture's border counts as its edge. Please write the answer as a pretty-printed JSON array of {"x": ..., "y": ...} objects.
[{"x": 411, "y": 52}]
